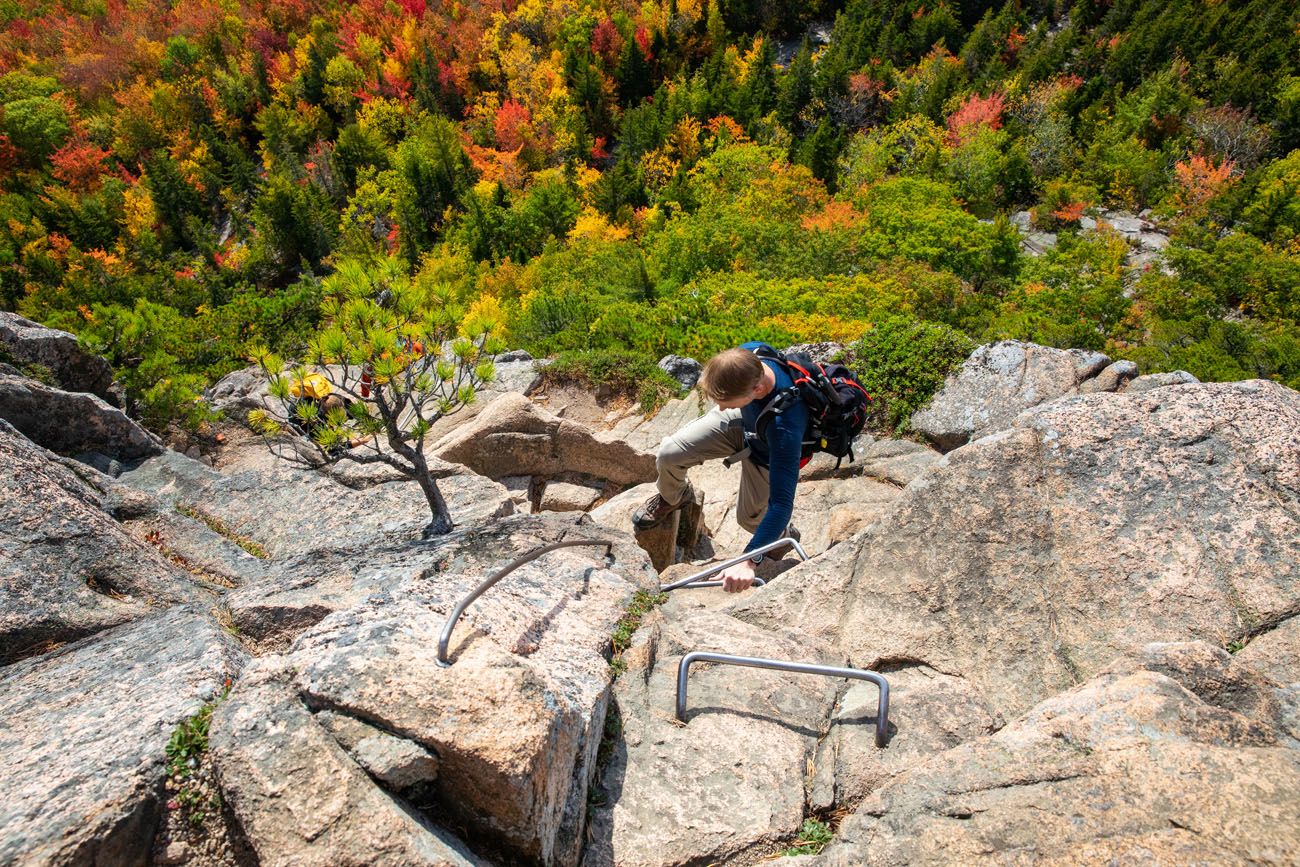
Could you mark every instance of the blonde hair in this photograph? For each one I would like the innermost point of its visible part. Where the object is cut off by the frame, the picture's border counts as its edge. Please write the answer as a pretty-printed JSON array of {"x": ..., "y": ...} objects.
[{"x": 730, "y": 374}]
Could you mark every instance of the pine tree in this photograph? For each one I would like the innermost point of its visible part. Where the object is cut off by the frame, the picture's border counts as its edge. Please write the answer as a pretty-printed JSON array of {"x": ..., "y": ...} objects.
[
  {"x": 433, "y": 174},
  {"x": 633, "y": 75},
  {"x": 382, "y": 355},
  {"x": 797, "y": 88},
  {"x": 757, "y": 94}
]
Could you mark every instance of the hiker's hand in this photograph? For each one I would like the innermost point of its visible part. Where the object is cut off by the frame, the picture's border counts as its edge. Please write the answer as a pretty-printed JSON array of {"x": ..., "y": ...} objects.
[{"x": 738, "y": 577}]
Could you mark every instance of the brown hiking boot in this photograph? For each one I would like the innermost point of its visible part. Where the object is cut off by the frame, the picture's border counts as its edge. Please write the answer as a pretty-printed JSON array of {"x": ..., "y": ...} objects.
[{"x": 656, "y": 510}]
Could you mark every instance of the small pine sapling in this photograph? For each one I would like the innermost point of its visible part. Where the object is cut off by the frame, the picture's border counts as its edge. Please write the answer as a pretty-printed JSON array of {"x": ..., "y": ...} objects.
[{"x": 396, "y": 357}]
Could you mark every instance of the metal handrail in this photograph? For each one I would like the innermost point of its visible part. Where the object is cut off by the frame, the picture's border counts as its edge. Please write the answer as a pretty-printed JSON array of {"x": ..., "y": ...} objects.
[
  {"x": 727, "y": 564},
  {"x": 445, "y": 638},
  {"x": 882, "y": 707}
]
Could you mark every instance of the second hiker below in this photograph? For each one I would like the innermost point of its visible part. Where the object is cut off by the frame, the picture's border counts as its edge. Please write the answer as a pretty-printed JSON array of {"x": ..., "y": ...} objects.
[{"x": 759, "y": 420}]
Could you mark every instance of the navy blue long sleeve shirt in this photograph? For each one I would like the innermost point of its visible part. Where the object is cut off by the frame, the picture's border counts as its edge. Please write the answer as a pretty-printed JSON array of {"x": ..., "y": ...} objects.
[{"x": 780, "y": 451}]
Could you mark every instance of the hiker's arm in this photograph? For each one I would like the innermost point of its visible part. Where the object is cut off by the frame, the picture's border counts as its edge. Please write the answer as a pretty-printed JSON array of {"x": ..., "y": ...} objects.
[{"x": 785, "y": 447}]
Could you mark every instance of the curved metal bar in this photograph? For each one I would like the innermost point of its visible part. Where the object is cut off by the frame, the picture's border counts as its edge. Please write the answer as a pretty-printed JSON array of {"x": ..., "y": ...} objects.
[
  {"x": 727, "y": 564},
  {"x": 445, "y": 638},
  {"x": 758, "y": 582},
  {"x": 882, "y": 707}
]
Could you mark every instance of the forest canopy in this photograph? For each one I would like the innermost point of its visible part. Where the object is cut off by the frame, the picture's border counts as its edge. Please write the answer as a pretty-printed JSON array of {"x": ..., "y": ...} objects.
[{"x": 178, "y": 178}]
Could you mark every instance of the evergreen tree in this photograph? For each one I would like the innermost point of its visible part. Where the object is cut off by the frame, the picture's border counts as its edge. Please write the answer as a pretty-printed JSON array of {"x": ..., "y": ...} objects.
[
  {"x": 797, "y": 88},
  {"x": 633, "y": 75},
  {"x": 820, "y": 151},
  {"x": 433, "y": 173},
  {"x": 757, "y": 94},
  {"x": 297, "y": 224},
  {"x": 619, "y": 190}
]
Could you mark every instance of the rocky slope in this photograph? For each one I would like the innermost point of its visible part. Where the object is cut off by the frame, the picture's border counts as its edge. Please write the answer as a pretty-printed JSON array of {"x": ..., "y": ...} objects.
[{"x": 1086, "y": 612}]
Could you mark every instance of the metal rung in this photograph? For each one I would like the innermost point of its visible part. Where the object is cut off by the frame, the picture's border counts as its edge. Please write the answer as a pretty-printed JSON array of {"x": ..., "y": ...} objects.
[
  {"x": 727, "y": 564},
  {"x": 882, "y": 707},
  {"x": 695, "y": 585},
  {"x": 445, "y": 638}
]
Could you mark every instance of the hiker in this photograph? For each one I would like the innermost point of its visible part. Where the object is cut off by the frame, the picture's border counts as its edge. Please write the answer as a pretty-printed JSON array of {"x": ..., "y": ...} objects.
[
  {"x": 743, "y": 385},
  {"x": 313, "y": 388}
]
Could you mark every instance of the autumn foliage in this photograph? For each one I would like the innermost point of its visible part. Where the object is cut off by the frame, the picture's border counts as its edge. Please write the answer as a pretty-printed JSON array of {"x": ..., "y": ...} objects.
[
  {"x": 177, "y": 179},
  {"x": 975, "y": 113}
]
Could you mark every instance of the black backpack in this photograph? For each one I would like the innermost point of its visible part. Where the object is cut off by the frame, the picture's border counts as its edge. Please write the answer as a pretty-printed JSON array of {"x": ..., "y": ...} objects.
[{"x": 837, "y": 404}]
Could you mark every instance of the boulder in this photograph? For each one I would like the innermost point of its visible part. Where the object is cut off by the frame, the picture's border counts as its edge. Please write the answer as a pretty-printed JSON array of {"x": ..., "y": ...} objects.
[
  {"x": 514, "y": 722},
  {"x": 1113, "y": 378},
  {"x": 1276, "y": 653},
  {"x": 514, "y": 355},
  {"x": 298, "y": 798},
  {"x": 685, "y": 370},
  {"x": 564, "y": 497},
  {"x": 646, "y": 434},
  {"x": 520, "y": 376},
  {"x": 823, "y": 352},
  {"x": 728, "y": 785},
  {"x": 72, "y": 422},
  {"x": 1030, "y": 559},
  {"x": 25, "y": 343},
  {"x": 1160, "y": 380},
  {"x": 240, "y": 391},
  {"x": 85, "y": 732},
  {"x": 1132, "y": 766},
  {"x": 513, "y": 436},
  {"x": 67, "y": 569},
  {"x": 997, "y": 383}
]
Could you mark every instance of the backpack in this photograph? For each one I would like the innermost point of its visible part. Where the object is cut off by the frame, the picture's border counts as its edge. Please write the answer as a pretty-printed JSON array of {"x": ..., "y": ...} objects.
[{"x": 837, "y": 404}]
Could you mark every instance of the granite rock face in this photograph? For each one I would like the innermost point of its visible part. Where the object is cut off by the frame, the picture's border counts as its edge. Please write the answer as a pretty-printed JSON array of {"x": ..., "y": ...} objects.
[
  {"x": 292, "y": 511},
  {"x": 514, "y": 722},
  {"x": 730, "y": 783},
  {"x": 646, "y": 434},
  {"x": 67, "y": 568},
  {"x": 71, "y": 423},
  {"x": 1028, "y": 560},
  {"x": 997, "y": 383},
  {"x": 85, "y": 730},
  {"x": 1135, "y": 765},
  {"x": 299, "y": 798},
  {"x": 74, "y": 369}
]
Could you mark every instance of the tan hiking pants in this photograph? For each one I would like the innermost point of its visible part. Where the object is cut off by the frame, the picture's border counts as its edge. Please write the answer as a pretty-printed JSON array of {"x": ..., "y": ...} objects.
[{"x": 717, "y": 434}]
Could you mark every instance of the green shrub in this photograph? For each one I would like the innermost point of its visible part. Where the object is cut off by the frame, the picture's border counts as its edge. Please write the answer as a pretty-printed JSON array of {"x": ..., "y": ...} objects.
[
  {"x": 633, "y": 376},
  {"x": 902, "y": 362}
]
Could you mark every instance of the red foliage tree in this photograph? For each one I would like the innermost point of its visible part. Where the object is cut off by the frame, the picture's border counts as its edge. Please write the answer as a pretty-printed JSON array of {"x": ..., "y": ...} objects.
[
  {"x": 643, "y": 42},
  {"x": 513, "y": 125},
  {"x": 976, "y": 112},
  {"x": 79, "y": 165},
  {"x": 607, "y": 42},
  {"x": 1200, "y": 180}
]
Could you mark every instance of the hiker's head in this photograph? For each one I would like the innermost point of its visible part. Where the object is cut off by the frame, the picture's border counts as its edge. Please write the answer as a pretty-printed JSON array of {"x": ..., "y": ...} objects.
[
  {"x": 731, "y": 377},
  {"x": 332, "y": 402}
]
